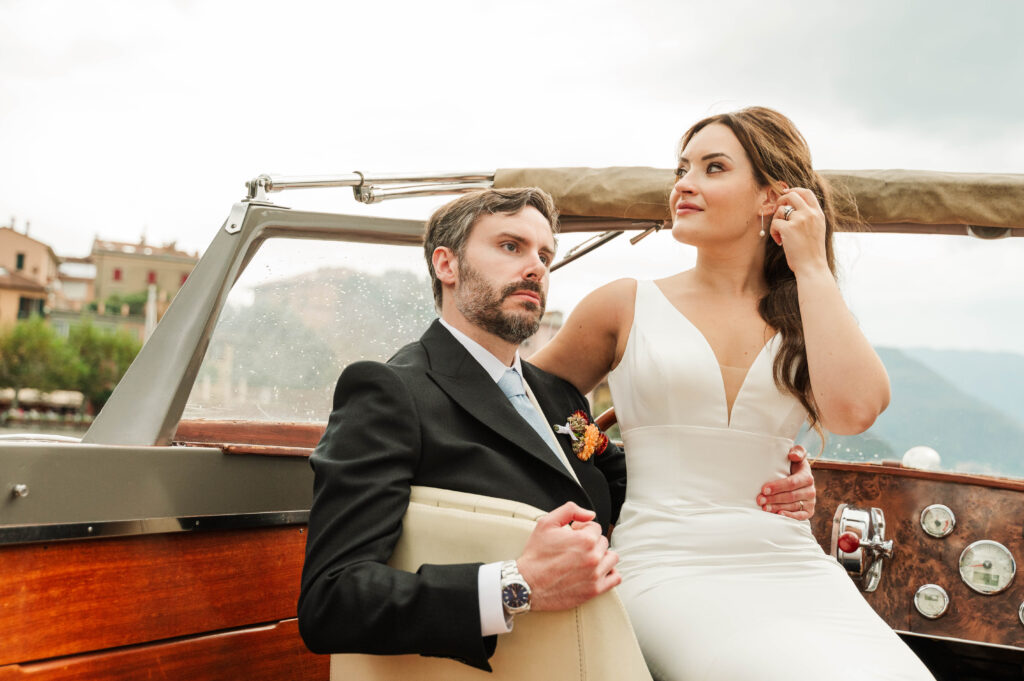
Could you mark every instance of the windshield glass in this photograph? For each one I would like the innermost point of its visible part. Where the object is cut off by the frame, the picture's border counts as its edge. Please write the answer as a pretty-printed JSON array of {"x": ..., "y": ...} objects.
[
  {"x": 300, "y": 313},
  {"x": 942, "y": 311}
]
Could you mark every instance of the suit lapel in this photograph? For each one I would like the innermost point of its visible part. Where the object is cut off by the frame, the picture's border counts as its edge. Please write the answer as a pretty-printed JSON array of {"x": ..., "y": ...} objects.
[
  {"x": 540, "y": 383},
  {"x": 455, "y": 371}
]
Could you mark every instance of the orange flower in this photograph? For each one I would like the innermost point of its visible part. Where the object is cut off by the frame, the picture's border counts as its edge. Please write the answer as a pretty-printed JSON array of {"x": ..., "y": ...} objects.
[
  {"x": 587, "y": 438},
  {"x": 591, "y": 438}
]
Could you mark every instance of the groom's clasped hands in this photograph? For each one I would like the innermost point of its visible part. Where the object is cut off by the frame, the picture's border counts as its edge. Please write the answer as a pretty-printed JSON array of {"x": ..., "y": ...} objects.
[{"x": 566, "y": 560}]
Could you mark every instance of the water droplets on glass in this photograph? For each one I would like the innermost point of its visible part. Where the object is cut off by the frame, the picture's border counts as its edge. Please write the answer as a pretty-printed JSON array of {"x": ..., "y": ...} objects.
[{"x": 300, "y": 313}]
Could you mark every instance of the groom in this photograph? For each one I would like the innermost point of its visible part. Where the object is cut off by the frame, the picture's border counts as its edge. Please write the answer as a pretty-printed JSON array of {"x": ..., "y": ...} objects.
[{"x": 460, "y": 410}]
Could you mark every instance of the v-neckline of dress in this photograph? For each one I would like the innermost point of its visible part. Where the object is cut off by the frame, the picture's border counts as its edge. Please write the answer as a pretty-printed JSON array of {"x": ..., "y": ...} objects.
[{"x": 707, "y": 345}]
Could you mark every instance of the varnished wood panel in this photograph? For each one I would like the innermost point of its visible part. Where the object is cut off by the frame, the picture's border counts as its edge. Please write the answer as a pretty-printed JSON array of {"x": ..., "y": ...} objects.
[
  {"x": 64, "y": 598},
  {"x": 304, "y": 435},
  {"x": 898, "y": 470},
  {"x": 270, "y": 653},
  {"x": 982, "y": 512},
  {"x": 266, "y": 450}
]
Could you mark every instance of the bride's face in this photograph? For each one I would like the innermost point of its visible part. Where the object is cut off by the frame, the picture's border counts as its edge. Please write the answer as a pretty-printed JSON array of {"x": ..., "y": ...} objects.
[{"x": 715, "y": 199}]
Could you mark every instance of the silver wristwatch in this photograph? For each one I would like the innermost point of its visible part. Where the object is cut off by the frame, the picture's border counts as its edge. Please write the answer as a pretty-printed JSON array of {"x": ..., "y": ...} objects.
[{"x": 515, "y": 592}]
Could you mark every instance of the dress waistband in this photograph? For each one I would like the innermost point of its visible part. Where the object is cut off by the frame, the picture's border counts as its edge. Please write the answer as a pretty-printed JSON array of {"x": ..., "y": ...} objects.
[{"x": 697, "y": 467}]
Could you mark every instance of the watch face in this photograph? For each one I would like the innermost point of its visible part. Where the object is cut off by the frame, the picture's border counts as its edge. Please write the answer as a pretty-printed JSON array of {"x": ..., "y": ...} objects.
[{"x": 515, "y": 596}]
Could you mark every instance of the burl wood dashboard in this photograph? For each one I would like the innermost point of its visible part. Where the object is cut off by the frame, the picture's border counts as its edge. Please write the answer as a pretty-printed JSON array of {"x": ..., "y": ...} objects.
[{"x": 985, "y": 508}]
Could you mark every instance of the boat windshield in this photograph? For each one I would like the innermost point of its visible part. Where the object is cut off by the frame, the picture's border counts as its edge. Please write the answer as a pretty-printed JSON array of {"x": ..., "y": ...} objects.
[{"x": 943, "y": 312}]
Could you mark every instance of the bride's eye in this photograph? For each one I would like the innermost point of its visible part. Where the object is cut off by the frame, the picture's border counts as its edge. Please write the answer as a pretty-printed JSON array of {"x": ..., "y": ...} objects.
[
  {"x": 680, "y": 171},
  {"x": 715, "y": 167}
]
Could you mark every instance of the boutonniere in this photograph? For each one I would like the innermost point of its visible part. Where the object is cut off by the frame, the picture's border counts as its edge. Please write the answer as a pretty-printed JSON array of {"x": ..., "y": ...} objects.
[{"x": 587, "y": 439}]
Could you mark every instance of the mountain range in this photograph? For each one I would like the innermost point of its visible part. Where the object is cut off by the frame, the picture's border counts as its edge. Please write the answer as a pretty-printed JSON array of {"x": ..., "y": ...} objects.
[{"x": 967, "y": 405}]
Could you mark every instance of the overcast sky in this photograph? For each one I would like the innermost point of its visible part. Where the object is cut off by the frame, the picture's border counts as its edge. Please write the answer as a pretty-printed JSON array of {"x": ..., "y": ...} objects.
[{"x": 124, "y": 118}]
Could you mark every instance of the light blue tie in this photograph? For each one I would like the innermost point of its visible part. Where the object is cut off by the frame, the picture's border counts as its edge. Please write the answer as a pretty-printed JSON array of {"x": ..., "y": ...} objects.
[{"x": 511, "y": 384}]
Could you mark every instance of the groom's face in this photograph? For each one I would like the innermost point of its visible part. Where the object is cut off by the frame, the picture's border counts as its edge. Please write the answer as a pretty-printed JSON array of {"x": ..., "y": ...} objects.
[{"x": 503, "y": 273}]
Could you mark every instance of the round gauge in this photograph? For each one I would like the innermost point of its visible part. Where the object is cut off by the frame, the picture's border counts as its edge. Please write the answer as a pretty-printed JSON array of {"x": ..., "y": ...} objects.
[
  {"x": 987, "y": 567},
  {"x": 931, "y": 600},
  {"x": 938, "y": 520},
  {"x": 1020, "y": 613}
]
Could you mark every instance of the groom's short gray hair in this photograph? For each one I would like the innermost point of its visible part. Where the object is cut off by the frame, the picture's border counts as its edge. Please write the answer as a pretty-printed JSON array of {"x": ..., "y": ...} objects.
[{"x": 451, "y": 224}]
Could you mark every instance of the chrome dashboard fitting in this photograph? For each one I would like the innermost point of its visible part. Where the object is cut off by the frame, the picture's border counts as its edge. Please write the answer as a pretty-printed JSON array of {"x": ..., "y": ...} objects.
[
  {"x": 19, "y": 490},
  {"x": 863, "y": 564}
]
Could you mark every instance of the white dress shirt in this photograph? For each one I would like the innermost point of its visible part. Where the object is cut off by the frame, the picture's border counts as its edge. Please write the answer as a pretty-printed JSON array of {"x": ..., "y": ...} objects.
[{"x": 492, "y": 613}]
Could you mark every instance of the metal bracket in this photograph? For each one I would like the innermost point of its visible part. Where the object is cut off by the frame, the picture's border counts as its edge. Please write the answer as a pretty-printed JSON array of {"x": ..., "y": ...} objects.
[
  {"x": 362, "y": 192},
  {"x": 233, "y": 225},
  {"x": 656, "y": 227},
  {"x": 258, "y": 187}
]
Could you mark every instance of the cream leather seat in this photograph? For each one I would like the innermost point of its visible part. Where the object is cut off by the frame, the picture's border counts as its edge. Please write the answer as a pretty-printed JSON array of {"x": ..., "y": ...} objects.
[{"x": 594, "y": 642}]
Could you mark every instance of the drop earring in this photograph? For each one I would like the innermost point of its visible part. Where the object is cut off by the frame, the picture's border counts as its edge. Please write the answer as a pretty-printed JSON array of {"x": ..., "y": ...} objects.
[{"x": 761, "y": 233}]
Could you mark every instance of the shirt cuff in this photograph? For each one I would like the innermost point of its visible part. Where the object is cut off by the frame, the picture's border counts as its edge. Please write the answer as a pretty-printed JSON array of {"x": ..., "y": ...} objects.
[{"x": 492, "y": 612}]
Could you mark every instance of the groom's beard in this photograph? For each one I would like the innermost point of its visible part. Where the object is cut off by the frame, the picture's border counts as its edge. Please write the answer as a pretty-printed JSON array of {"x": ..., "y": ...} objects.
[{"x": 480, "y": 304}]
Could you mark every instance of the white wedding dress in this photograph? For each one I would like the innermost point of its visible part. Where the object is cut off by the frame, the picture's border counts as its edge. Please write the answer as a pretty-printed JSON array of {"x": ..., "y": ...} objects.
[{"x": 716, "y": 588}]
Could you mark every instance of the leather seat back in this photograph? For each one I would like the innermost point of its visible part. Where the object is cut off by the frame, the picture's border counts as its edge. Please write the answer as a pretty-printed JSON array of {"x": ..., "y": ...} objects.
[{"x": 593, "y": 642}]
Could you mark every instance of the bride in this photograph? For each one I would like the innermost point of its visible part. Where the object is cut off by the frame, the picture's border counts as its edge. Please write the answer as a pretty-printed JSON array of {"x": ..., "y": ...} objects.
[{"x": 712, "y": 372}]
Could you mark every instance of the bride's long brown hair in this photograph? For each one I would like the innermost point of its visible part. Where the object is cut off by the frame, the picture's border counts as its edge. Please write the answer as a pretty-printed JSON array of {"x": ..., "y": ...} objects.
[{"x": 779, "y": 153}]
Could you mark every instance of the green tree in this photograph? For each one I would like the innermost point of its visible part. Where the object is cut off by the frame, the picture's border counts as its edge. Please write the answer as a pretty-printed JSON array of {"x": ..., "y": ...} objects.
[
  {"x": 136, "y": 303},
  {"x": 33, "y": 356},
  {"x": 104, "y": 357}
]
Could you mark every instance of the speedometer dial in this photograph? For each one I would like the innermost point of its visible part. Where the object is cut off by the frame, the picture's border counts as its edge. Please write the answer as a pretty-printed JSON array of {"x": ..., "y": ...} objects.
[{"x": 987, "y": 567}]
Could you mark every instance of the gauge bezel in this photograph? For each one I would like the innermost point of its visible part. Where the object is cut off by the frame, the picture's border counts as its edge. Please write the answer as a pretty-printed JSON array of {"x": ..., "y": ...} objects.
[
  {"x": 930, "y": 532},
  {"x": 945, "y": 605},
  {"x": 1020, "y": 613},
  {"x": 997, "y": 545}
]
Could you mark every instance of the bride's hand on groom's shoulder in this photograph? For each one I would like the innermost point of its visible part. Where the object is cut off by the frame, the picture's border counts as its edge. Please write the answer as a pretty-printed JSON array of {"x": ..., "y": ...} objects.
[
  {"x": 566, "y": 560},
  {"x": 793, "y": 496}
]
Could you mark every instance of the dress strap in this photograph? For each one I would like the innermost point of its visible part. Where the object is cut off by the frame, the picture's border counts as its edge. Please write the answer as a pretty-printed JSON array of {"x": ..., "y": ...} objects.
[{"x": 646, "y": 299}]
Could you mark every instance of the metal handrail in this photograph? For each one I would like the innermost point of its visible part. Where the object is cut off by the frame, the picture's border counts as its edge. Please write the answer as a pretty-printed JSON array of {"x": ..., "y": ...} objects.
[{"x": 366, "y": 186}]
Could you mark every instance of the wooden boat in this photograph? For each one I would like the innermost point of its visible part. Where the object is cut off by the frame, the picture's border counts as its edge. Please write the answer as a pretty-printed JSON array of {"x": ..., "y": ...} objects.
[{"x": 169, "y": 541}]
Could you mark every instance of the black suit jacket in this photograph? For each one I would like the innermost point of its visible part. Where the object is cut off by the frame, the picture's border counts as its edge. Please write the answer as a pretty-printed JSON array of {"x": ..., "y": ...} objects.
[{"x": 431, "y": 416}]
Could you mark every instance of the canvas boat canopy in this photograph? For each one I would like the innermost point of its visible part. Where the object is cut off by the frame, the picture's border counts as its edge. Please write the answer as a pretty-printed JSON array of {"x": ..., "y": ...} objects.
[{"x": 888, "y": 200}]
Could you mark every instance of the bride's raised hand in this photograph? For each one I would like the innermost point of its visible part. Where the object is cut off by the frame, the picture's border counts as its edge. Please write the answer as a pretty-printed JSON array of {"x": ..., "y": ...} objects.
[{"x": 799, "y": 227}]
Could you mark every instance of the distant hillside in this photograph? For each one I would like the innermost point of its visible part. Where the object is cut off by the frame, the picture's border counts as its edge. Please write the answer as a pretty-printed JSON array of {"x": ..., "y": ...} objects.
[
  {"x": 996, "y": 378},
  {"x": 928, "y": 409}
]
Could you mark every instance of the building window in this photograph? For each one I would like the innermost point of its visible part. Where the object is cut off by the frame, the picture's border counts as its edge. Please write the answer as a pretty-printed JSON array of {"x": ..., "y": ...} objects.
[
  {"x": 28, "y": 307},
  {"x": 151, "y": 277},
  {"x": 117, "y": 274},
  {"x": 21, "y": 262}
]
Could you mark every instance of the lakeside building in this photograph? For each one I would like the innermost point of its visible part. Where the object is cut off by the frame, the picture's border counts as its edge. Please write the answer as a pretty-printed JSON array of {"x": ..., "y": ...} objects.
[
  {"x": 34, "y": 280},
  {"x": 28, "y": 272},
  {"x": 124, "y": 268}
]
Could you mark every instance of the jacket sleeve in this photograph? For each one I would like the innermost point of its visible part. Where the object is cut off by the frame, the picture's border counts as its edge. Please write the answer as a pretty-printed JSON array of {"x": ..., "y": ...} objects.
[
  {"x": 351, "y": 601},
  {"x": 612, "y": 463}
]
